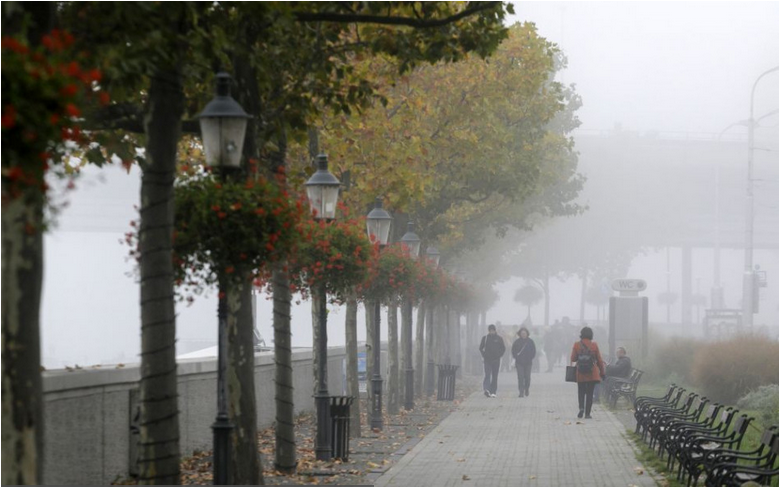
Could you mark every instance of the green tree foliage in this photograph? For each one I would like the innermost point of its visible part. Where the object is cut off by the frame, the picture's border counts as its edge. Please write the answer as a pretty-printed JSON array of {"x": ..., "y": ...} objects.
[{"x": 458, "y": 146}]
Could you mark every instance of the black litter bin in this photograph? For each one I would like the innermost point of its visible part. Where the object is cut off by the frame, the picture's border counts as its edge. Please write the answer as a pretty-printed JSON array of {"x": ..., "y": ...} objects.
[
  {"x": 447, "y": 376},
  {"x": 340, "y": 411}
]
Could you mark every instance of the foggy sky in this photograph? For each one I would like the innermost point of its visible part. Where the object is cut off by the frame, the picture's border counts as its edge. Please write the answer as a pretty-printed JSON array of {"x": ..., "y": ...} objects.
[{"x": 663, "y": 66}]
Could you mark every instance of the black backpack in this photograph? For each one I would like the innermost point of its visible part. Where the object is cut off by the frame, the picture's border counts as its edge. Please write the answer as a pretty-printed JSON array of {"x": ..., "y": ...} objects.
[{"x": 584, "y": 360}]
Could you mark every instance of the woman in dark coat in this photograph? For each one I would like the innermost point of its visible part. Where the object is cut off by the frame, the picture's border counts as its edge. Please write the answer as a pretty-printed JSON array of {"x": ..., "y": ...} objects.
[
  {"x": 523, "y": 351},
  {"x": 586, "y": 381}
]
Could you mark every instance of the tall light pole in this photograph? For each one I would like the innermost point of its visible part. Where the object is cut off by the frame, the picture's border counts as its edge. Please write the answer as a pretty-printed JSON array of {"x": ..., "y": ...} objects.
[
  {"x": 223, "y": 123},
  {"x": 323, "y": 189},
  {"x": 412, "y": 244},
  {"x": 748, "y": 276},
  {"x": 378, "y": 226}
]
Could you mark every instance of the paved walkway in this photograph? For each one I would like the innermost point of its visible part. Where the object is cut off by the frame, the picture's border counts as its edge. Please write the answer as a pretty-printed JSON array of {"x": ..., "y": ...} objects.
[{"x": 531, "y": 441}]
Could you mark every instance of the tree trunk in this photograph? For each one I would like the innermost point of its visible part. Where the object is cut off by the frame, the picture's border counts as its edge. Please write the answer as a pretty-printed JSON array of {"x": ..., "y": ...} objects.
[
  {"x": 419, "y": 351},
  {"x": 285, "y": 438},
  {"x": 458, "y": 343},
  {"x": 393, "y": 391},
  {"x": 472, "y": 342},
  {"x": 582, "y": 299},
  {"x": 315, "y": 302},
  {"x": 159, "y": 454},
  {"x": 352, "y": 364},
  {"x": 22, "y": 271},
  {"x": 406, "y": 330},
  {"x": 22, "y": 278},
  {"x": 546, "y": 299},
  {"x": 446, "y": 335},
  {"x": 429, "y": 377},
  {"x": 240, "y": 377},
  {"x": 246, "y": 466},
  {"x": 369, "y": 316}
]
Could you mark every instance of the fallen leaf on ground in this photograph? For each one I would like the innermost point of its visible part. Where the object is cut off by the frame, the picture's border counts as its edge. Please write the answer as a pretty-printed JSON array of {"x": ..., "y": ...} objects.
[
  {"x": 465, "y": 477},
  {"x": 579, "y": 423},
  {"x": 639, "y": 470},
  {"x": 532, "y": 477},
  {"x": 568, "y": 423},
  {"x": 461, "y": 460}
]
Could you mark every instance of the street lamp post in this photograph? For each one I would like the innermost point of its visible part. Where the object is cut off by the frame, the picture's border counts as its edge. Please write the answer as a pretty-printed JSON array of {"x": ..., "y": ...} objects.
[
  {"x": 323, "y": 188},
  {"x": 223, "y": 123},
  {"x": 433, "y": 258},
  {"x": 748, "y": 276},
  {"x": 412, "y": 243},
  {"x": 378, "y": 226}
]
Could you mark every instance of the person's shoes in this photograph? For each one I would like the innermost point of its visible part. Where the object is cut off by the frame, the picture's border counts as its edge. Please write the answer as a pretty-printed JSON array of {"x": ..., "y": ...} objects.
[
  {"x": 581, "y": 414},
  {"x": 588, "y": 416},
  {"x": 492, "y": 395},
  {"x": 521, "y": 395},
  {"x": 527, "y": 393},
  {"x": 486, "y": 393}
]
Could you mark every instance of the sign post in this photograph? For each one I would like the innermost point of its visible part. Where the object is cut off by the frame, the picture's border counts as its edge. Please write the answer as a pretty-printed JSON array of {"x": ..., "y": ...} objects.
[{"x": 628, "y": 316}]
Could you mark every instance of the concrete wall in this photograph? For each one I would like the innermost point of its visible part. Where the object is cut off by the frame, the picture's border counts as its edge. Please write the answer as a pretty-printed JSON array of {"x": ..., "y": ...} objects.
[{"x": 89, "y": 413}]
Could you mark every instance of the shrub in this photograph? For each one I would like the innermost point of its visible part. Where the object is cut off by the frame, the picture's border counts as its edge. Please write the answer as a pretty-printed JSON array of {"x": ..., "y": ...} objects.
[
  {"x": 727, "y": 370},
  {"x": 766, "y": 401},
  {"x": 673, "y": 358}
]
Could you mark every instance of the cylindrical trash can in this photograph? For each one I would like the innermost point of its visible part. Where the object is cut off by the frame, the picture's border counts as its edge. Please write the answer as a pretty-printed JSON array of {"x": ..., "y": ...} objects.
[
  {"x": 447, "y": 376},
  {"x": 340, "y": 411}
]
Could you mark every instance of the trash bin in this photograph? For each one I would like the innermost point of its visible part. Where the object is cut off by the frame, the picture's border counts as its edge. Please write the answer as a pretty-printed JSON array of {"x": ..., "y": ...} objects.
[
  {"x": 447, "y": 376},
  {"x": 340, "y": 411}
]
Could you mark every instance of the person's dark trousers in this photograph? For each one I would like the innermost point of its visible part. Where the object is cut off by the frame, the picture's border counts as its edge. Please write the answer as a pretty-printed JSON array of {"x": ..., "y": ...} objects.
[
  {"x": 585, "y": 392},
  {"x": 523, "y": 378},
  {"x": 491, "y": 370}
]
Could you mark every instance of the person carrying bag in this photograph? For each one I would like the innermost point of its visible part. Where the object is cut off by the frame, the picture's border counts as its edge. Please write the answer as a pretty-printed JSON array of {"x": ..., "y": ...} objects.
[{"x": 589, "y": 367}]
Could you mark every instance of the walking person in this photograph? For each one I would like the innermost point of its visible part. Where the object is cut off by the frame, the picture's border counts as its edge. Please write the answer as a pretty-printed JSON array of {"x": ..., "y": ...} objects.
[
  {"x": 589, "y": 370},
  {"x": 492, "y": 349},
  {"x": 523, "y": 351}
]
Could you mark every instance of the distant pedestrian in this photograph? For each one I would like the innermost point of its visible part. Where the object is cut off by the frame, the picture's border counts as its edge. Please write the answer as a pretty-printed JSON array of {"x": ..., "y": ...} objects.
[
  {"x": 589, "y": 370},
  {"x": 523, "y": 350},
  {"x": 492, "y": 349}
]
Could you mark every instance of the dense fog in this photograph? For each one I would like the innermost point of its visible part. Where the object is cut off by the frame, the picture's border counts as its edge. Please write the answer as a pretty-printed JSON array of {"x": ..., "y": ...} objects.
[{"x": 666, "y": 90}]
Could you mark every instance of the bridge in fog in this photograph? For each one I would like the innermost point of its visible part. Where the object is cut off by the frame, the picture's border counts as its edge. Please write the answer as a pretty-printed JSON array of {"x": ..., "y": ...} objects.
[{"x": 684, "y": 191}]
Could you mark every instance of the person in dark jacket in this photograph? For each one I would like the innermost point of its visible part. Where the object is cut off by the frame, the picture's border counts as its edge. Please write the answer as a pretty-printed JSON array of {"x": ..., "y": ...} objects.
[
  {"x": 586, "y": 381},
  {"x": 492, "y": 349},
  {"x": 523, "y": 351},
  {"x": 622, "y": 367}
]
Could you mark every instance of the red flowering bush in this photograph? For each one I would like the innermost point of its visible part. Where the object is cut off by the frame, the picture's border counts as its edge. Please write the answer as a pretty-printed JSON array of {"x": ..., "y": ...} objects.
[
  {"x": 440, "y": 288},
  {"x": 44, "y": 93},
  {"x": 392, "y": 276},
  {"x": 231, "y": 228},
  {"x": 336, "y": 253},
  {"x": 429, "y": 283}
]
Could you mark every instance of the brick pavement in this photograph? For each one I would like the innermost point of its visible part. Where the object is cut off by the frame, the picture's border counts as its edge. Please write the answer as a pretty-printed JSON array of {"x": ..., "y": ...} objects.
[{"x": 531, "y": 441}]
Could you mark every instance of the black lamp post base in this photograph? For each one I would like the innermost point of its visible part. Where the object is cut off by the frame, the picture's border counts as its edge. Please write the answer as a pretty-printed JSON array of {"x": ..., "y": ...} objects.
[
  {"x": 323, "y": 442},
  {"x": 221, "y": 439}
]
